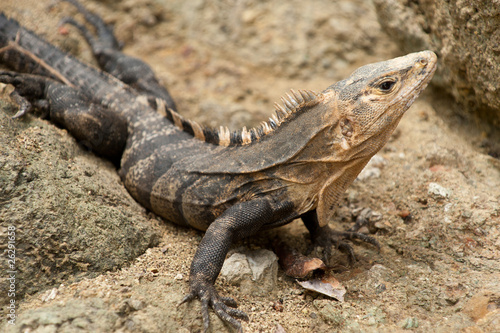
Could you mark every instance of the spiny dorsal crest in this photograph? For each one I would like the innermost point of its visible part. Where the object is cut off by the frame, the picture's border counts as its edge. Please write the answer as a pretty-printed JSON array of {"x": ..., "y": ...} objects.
[{"x": 292, "y": 103}]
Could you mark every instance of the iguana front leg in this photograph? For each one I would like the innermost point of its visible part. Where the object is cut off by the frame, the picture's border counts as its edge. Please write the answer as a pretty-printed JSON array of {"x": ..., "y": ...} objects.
[
  {"x": 327, "y": 238},
  {"x": 239, "y": 221}
]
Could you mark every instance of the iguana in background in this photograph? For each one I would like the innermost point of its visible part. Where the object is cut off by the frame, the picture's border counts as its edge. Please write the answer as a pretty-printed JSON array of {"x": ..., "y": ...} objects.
[{"x": 230, "y": 184}]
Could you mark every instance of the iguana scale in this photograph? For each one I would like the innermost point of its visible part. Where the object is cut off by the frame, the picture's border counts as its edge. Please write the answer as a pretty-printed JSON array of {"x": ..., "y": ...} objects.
[{"x": 229, "y": 184}]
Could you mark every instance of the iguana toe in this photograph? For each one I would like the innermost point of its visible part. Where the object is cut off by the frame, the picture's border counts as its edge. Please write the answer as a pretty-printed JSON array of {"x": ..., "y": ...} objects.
[{"x": 224, "y": 307}]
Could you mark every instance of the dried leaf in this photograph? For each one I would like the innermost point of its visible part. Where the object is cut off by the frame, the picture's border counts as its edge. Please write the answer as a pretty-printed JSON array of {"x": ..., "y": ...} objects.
[
  {"x": 294, "y": 263},
  {"x": 328, "y": 286}
]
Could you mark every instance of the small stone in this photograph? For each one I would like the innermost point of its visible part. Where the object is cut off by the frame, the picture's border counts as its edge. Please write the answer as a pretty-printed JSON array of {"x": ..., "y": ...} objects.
[
  {"x": 50, "y": 295},
  {"x": 369, "y": 172},
  {"x": 249, "y": 16},
  {"x": 372, "y": 169},
  {"x": 278, "y": 306},
  {"x": 329, "y": 312},
  {"x": 467, "y": 214},
  {"x": 404, "y": 213},
  {"x": 380, "y": 272},
  {"x": 410, "y": 323},
  {"x": 477, "y": 306},
  {"x": 136, "y": 304},
  {"x": 380, "y": 288},
  {"x": 256, "y": 272},
  {"x": 371, "y": 321},
  {"x": 236, "y": 268},
  {"x": 438, "y": 191},
  {"x": 279, "y": 329},
  {"x": 165, "y": 248}
]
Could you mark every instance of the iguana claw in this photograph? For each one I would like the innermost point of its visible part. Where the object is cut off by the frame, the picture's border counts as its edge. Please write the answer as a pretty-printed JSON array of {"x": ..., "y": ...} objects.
[
  {"x": 329, "y": 239},
  {"x": 224, "y": 307}
]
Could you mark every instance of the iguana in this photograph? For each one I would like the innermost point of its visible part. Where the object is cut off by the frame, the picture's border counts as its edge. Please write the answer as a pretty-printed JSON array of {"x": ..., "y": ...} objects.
[{"x": 229, "y": 184}]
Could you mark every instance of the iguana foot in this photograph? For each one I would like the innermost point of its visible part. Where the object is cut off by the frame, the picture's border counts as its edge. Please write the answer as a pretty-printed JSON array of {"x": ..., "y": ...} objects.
[
  {"x": 105, "y": 39},
  {"x": 224, "y": 307},
  {"x": 28, "y": 91},
  {"x": 329, "y": 239}
]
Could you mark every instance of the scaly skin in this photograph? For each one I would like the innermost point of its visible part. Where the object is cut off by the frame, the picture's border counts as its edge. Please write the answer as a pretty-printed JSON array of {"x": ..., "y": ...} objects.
[{"x": 232, "y": 185}]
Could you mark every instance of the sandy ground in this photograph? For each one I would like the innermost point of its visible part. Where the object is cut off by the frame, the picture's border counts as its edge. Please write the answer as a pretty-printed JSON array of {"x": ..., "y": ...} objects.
[{"x": 226, "y": 62}]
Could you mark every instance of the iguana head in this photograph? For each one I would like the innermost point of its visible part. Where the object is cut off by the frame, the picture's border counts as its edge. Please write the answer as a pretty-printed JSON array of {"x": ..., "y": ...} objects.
[
  {"x": 367, "y": 106},
  {"x": 360, "y": 114}
]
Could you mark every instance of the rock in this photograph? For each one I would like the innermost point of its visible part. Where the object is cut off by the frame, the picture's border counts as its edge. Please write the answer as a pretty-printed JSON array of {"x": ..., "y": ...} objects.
[
  {"x": 438, "y": 191},
  {"x": 466, "y": 37},
  {"x": 136, "y": 304},
  {"x": 236, "y": 269},
  {"x": 71, "y": 214},
  {"x": 482, "y": 304},
  {"x": 254, "y": 271},
  {"x": 75, "y": 316},
  {"x": 379, "y": 272},
  {"x": 330, "y": 312},
  {"x": 49, "y": 295},
  {"x": 149, "y": 306},
  {"x": 379, "y": 278},
  {"x": 369, "y": 172},
  {"x": 441, "y": 156},
  {"x": 279, "y": 329},
  {"x": 409, "y": 323},
  {"x": 372, "y": 169}
]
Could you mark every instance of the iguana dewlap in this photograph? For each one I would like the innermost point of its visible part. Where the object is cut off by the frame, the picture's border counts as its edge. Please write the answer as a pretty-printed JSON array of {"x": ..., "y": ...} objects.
[{"x": 229, "y": 184}]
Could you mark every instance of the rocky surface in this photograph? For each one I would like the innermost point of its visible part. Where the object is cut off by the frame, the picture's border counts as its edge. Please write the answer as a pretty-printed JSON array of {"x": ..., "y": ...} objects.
[
  {"x": 71, "y": 214},
  {"x": 466, "y": 37},
  {"x": 226, "y": 63}
]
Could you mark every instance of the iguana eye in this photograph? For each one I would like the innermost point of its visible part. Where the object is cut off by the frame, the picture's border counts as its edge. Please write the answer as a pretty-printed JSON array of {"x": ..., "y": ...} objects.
[{"x": 387, "y": 85}]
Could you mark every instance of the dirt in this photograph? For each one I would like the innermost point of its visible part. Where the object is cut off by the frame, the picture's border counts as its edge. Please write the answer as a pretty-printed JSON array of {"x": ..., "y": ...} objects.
[{"x": 226, "y": 62}]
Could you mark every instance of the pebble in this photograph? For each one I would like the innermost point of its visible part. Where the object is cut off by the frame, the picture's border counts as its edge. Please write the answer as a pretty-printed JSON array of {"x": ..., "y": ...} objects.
[
  {"x": 410, "y": 323},
  {"x": 438, "y": 191},
  {"x": 254, "y": 271}
]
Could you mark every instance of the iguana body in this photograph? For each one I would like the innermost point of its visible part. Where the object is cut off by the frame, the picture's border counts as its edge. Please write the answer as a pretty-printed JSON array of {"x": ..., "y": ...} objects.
[{"x": 231, "y": 184}]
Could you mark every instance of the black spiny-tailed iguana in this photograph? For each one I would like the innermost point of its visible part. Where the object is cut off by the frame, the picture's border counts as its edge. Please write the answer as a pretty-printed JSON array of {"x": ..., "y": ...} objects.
[{"x": 229, "y": 184}]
